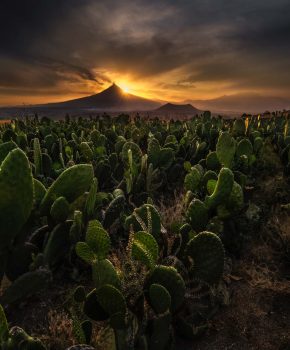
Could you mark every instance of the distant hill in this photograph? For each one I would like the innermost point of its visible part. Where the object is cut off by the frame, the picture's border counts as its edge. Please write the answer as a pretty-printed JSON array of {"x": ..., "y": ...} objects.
[
  {"x": 177, "y": 108},
  {"x": 240, "y": 103},
  {"x": 113, "y": 98}
]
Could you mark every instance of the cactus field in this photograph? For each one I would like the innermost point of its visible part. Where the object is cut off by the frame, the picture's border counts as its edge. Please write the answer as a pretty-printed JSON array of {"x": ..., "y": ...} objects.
[{"x": 139, "y": 233}]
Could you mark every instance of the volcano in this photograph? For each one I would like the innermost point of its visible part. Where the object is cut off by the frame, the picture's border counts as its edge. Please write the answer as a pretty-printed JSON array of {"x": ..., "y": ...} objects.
[{"x": 111, "y": 99}]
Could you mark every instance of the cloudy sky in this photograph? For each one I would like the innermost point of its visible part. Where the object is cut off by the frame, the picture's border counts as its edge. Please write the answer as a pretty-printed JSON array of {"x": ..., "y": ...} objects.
[{"x": 53, "y": 50}]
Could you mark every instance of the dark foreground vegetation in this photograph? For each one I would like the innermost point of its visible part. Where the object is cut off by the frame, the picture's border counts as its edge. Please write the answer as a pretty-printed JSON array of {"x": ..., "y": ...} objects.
[{"x": 126, "y": 233}]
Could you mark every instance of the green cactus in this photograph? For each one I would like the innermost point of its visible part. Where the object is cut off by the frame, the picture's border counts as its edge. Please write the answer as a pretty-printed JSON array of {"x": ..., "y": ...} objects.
[
  {"x": 86, "y": 151},
  {"x": 197, "y": 215},
  {"x": 16, "y": 195},
  {"x": 59, "y": 210},
  {"x": 104, "y": 273},
  {"x": 226, "y": 149},
  {"x": 135, "y": 150},
  {"x": 26, "y": 285},
  {"x": 207, "y": 253},
  {"x": 114, "y": 210},
  {"x": 146, "y": 218},
  {"x": 192, "y": 180},
  {"x": 39, "y": 192},
  {"x": 239, "y": 127},
  {"x": 97, "y": 243},
  {"x": 72, "y": 183},
  {"x": 212, "y": 162},
  {"x": 91, "y": 200},
  {"x": 57, "y": 245},
  {"x": 161, "y": 334},
  {"x": 145, "y": 248},
  {"x": 244, "y": 147},
  {"x": 159, "y": 298},
  {"x": 222, "y": 189},
  {"x": 169, "y": 278},
  {"x": 5, "y": 148},
  {"x": 159, "y": 157},
  {"x": 37, "y": 157}
]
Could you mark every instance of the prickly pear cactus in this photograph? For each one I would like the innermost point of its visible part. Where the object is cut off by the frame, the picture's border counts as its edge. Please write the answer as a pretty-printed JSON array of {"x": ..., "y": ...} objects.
[
  {"x": 212, "y": 162},
  {"x": 72, "y": 183},
  {"x": 114, "y": 210},
  {"x": 146, "y": 218},
  {"x": 226, "y": 149},
  {"x": 16, "y": 195},
  {"x": 97, "y": 243},
  {"x": 222, "y": 189},
  {"x": 105, "y": 273},
  {"x": 239, "y": 127},
  {"x": 170, "y": 279},
  {"x": 207, "y": 253},
  {"x": 145, "y": 248},
  {"x": 59, "y": 210},
  {"x": 159, "y": 157},
  {"x": 192, "y": 180},
  {"x": 244, "y": 147},
  {"x": 159, "y": 298},
  {"x": 197, "y": 215}
]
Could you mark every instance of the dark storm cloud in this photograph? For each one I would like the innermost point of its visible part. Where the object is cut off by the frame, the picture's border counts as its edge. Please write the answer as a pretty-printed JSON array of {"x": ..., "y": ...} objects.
[{"x": 44, "y": 43}]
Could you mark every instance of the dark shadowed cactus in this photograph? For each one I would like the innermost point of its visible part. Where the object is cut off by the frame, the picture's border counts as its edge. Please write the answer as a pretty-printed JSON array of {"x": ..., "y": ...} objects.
[
  {"x": 226, "y": 149},
  {"x": 114, "y": 210},
  {"x": 158, "y": 156},
  {"x": 222, "y": 189},
  {"x": 244, "y": 147},
  {"x": 16, "y": 195},
  {"x": 239, "y": 127},
  {"x": 59, "y": 210},
  {"x": 37, "y": 156},
  {"x": 159, "y": 298},
  {"x": 39, "y": 192},
  {"x": 192, "y": 180},
  {"x": 136, "y": 152},
  {"x": 197, "y": 215},
  {"x": 212, "y": 162},
  {"x": 71, "y": 183},
  {"x": 170, "y": 279},
  {"x": 91, "y": 200},
  {"x": 207, "y": 253},
  {"x": 26, "y": 285},
  {"x": 5, "y": 148}
]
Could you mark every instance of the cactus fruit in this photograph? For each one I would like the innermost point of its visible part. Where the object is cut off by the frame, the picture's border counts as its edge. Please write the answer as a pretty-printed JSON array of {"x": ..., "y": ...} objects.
[
  {"x": 103, "y": 273},
  {"x": 159, "y": 298},
  {"x": 226, "y": 149},
  {"x": 59, "y": 210},
  {"x": 16, "y": 195},
  {"x": 197, "y": 214},
  {"x": 145, "y": 248},
  {"x": 26, "y": 285},
  {"x": 71, "y": 184},
  {"x": 222, "y": 189},
  {"x": 170, "y": 279},
  {"x": 207, "y": 252}
]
